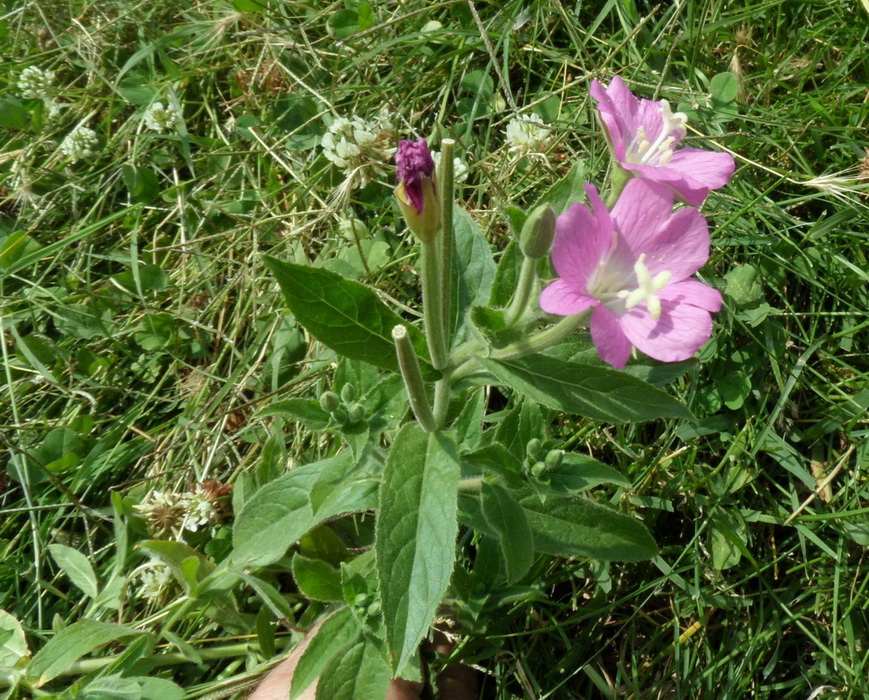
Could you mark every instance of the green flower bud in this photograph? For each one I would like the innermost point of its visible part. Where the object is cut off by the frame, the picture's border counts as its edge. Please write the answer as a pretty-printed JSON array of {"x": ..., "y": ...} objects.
[
  {"x": 539, "y": 469},
  {"x": 329, "y": 401},
  {"x": 553, "y": 458},
  {"x": 537, "y": 234},
  {"x": 348, "y": 393},
  {"x": 340, "y": 414},
  {"x": 356, "y": 413},
  {"x": 532, "y": 449}
]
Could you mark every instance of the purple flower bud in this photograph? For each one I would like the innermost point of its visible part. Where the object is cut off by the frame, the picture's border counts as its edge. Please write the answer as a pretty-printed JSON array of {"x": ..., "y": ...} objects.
[
  {"x": 413, "y": 161},
  {"x": 417, "y": 192}
]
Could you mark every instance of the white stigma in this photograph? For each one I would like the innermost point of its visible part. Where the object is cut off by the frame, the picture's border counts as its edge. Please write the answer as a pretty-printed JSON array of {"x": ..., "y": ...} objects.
[{"x": 647, "y": 288}]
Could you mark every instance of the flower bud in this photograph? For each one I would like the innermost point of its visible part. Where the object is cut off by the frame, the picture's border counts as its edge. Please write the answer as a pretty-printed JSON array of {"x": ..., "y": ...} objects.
[
  {"x": 416, "y": 193},
  {"x": 348, "y": 393},
  {"x": 539, "y": 470},
  {"x": 537, "y": 234},
  {"x": 553, "y": 458},
  {"x": 356, "y": 413},
  {"x": 340, "y": 415},
  {"x": 329, "y": 401},
  {"x": 532, "y": 449}
]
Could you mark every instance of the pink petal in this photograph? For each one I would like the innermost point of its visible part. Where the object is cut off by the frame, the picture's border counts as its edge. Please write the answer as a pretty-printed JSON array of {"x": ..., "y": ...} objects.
[
  {"x": 563, "y": 299},
  {"x": 686, "y": 188},
  {"x": 712, "y": 169},
  {"x": 677, "y": 335},
  {"x": 581, "y": 241},
  {"x": 691, "y": 173},
  {"x": 680, "y": 246},
  {"x": 642, "y": 209},
  {"x": 617, "y": 107},
  {"x": 609, "y": 339},
  {"x": 694, "y": 293}
]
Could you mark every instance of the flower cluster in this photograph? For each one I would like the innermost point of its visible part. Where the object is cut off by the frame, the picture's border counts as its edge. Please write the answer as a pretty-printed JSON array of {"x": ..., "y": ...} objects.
[
  {"x": 526, "y": 134},
  {"x": 167, "y": 514},
  {"x": 159, "y": 118},
  {"x": 35, "y": 83},
  {"x": 362, "y": 149},
  {"x": 633, "y": 266},
  {"x": 79, "y": 143}
]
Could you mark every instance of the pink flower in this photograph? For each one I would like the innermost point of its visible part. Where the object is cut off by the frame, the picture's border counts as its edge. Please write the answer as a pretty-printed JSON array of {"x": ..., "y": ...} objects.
[
  {"x": 643, "y": 136},
  {"x": 633, "y": 266}
]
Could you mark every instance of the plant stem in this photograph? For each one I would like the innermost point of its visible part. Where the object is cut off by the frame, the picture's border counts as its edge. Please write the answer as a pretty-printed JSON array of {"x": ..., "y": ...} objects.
[
  {"x": 432, "y": 306},
  {"x": 446, "y": 185},
  {"x": 524, "y": 290},
  {"x": 542, "y": 340},
  {"x": 413, "y": 382}
]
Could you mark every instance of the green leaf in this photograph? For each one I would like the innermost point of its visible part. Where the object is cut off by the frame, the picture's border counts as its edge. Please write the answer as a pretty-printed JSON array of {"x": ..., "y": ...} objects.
[
  {"x": 15, "y": 246},
  {"x": 519, "y": 427},
  {"x": 724, "y": 88},
  {"x": 491, "y": 325},
  {"x": 77, "y": 566},
  {"x": 13, "y": 645},
  {"x": 316, "y": 579},
  {"x": 516, "y": 217},
  {"x": 70, "y": 644},
  {"x": 337, "y": 632},
  {"x": 473, "y": 269},
  {"x": 279, "y": 513},
  {"x": 358, "y": 673},
  {"x": 581, "y": 473},
  {"x": 728, "y": 536},
  {"x": 13, "y": 114},
  {"x": 568, "y": 190},
  {"x": 344, "y": 315},
  {"x": 578, "y": 527},
  {"x": 594, "y": 392},
  {"x": 116, "y": 687},
  {"x": 141, "y": 183},
  {"x": 506, "y": 276},
  {"x": 308, "y": 412},
  {"x": 506, "y": 517},
  {"x": 188, "y": 565},
  {"x": 415, "y": 538}
]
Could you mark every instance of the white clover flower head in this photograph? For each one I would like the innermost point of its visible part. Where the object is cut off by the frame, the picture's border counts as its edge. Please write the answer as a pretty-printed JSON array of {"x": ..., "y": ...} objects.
[
  {"x": 153, "y": 580},
  {"x": 200, "y": 509},
  {"x": 79, "y": 143},
  {"x": 35, "y": 83},
  {"x": 163, "y": 511},
  {"x": 361, "y": 148},
  {"x": 527, "y": 134},
  {"x": 460, "y": 169},
  {"x": 163, "y": 118}
]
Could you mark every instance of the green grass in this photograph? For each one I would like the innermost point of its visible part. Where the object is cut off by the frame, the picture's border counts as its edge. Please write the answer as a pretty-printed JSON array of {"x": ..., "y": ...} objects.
[{"x": 141, "y": 331}]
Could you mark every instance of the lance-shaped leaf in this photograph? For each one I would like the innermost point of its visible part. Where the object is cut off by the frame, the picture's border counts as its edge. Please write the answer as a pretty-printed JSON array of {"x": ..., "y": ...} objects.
[
  {"x": 506, "y": 517},
  {"x": 594, "y": 392},
  {"x": 575, "y": 526},
  {"x": 70, "y": 644},
  {"x": 344, "y": 315},
  {"x": 416, "y": 536}
]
